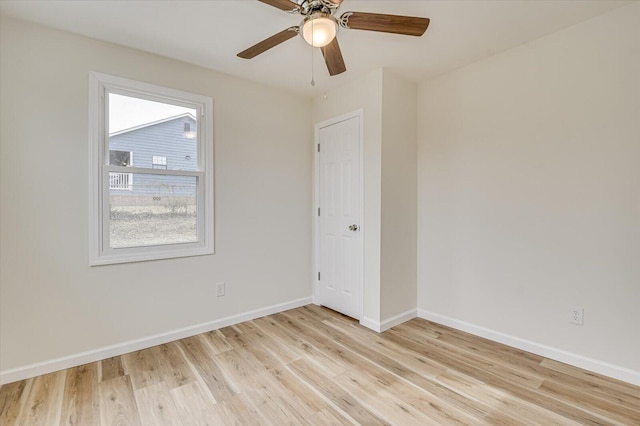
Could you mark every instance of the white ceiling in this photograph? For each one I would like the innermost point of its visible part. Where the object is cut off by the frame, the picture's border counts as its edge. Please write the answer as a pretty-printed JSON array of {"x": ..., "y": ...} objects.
[{"x": 211, "y": 33}]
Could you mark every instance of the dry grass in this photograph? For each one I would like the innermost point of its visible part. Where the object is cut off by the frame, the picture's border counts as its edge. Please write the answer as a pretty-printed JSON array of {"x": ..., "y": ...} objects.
[{"x": 135, "y": 226}]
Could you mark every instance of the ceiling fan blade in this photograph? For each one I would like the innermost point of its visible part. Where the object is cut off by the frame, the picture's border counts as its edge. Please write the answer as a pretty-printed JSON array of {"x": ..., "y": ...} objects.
[
  {"x": 396, "y": 24},
  {"x": 286, "y": 5},
  {"x": 333, "y": 58},
  {"x": 268, "y": 43}
]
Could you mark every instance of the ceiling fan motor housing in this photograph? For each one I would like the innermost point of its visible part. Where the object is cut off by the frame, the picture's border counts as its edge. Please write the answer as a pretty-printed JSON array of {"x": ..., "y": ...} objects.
[{"x": 308, "y": 7}]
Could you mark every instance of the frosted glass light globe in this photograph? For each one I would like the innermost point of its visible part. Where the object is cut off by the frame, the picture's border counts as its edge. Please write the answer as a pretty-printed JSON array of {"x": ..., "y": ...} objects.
[{"x": 319, "y": 30}]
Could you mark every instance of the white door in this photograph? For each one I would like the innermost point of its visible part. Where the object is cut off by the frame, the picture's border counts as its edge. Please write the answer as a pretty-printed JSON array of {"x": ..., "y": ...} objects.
[{"x": 339, "y": 233}]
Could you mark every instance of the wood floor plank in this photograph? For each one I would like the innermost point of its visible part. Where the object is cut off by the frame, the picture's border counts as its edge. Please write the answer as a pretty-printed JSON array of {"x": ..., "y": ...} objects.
[
  {"x": 386, "y": 405},
  {"x": 320, "y": 314},
  {"x": 253, "y": 352},
  {"x": 499, "y": 355},
  {"x": 529, "y": 363},
  {"x": 269, "y": 369},
  {"x": 325, "y": 347},
  {"x": 437, "y": 404},
  {"x": 117, "y": 402},
  {"x": 611, "y": 394},
  {"x": 311, "y": 365},
  {"x": 43, "y": 403},
  {"x": 170, "y": 359},
  {"x": 257, "y": 373},
  {"x": 483, "y": 368},
  {"x": 304, "y": 347},
  {"x": 13, "y": 397},
  {"x": 143, "y": 367},
  {"x": 456, "y": 360},
  {"x": 193, "y": 406},
  {"x": 249, "y": 376},
  {"x": 275, "y": 406},
  {"x": 111, "y": 368},
  {"x": 236, "y": 410},
  {"x": 81, "y": 398},
  {"x": 230, "y": 331},
  {"x": 479, "y": 360},
  {"x": 292, "y": 389},
  {"x": 503, "y": 405},
  {"x": 217, "y": 341},
  {"x": 197, "y": 351},
  {"x": 329, "y": 416},
  {"x": 296, "y": 347},
  {"x": 413, "y": 361},
  {"x": 334, "y": 393},
  {"x": 156, "y": 407},
  {"x": 279, "y": 351},
  {"x": 366, "y": 352},
  {"x": 594, "y": 379},
  {"x": 504, "y": 383},
  {"x": 590, "y": 402},
  {"x": 434, "y": 330}
]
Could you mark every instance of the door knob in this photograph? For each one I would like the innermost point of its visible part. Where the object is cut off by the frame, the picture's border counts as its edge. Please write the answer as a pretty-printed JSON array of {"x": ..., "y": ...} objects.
[{"x": 353, "y": 227}]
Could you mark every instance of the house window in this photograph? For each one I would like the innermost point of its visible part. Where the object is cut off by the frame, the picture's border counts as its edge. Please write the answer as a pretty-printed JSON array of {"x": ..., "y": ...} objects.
[
  {"x": 141, "y": 211},
  {"x": 118, "y": 180},
  {"x": 188, "y": 133},
  {"x": 159, "y": 162}
]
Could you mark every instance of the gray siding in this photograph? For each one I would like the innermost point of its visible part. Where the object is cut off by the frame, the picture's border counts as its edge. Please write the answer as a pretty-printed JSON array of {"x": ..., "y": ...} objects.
[{"x": 165, "y": 139}]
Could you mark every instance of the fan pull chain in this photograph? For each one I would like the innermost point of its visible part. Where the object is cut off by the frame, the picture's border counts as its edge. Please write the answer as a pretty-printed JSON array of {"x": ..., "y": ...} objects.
[{"x": 313, "y": 81}]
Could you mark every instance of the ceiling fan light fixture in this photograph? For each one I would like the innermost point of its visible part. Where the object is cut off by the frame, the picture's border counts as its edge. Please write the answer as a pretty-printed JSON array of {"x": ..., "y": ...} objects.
[{"x": 319, "y": 29}]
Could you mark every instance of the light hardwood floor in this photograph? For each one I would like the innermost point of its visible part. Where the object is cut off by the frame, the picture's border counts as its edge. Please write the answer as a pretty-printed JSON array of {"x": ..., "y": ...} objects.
[{"x": 313, "y": 366}]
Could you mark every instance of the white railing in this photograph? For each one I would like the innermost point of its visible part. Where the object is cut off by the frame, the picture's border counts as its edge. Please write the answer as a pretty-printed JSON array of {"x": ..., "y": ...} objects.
[{"x": 121, "y": 181}]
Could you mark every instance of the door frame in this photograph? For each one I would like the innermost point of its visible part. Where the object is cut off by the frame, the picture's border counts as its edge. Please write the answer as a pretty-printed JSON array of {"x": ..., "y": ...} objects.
[{"x": 316, "y": 204}]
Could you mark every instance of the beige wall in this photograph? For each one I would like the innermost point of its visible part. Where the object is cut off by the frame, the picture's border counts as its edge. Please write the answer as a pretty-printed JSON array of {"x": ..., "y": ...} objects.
[
  {"x": 52, "y": 303},
  {"x": 399, "y": 197},
  {"x": 389, "y": 107},
  {"x": 529, "y": 190},
  {"x": 365, "y": 93}
]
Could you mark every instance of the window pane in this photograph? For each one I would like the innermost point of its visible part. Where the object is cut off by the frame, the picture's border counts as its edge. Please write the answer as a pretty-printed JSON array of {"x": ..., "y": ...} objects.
[
  {"x": 119, "y": 158},
  {"x": 147, "y": 209},
  {"x": 159, "y": 162},
  {"x": 147, "y": 131}
]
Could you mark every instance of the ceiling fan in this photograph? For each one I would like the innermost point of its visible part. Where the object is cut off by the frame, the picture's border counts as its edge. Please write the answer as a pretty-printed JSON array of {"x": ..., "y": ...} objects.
[{"x": 319, "y": 27}]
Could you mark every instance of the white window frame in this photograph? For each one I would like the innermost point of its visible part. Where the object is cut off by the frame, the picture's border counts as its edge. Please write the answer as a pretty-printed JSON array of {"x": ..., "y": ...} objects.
[
  {"x": 100, "y": 251},
  {"x": 159, "y": 160}
]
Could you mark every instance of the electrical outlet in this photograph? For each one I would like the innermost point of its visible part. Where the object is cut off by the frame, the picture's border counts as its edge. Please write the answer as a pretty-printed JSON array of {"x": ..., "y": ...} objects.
[
  {"x": 576, "y": 315},
  {"x": 220, "y": 289}
]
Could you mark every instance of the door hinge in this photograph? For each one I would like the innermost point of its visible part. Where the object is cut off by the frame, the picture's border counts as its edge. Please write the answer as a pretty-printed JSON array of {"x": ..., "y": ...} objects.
[
  {"x": 318, "y": 211},
  {"x": 318, "y": 276},
  {"x": 318, "y": 147}
]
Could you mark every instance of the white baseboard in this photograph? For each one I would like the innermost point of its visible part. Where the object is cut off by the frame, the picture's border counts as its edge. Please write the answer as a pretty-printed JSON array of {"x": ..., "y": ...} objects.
[
  {"x": 21, "y": 373},
  {"x": 388, "y": 323},
  {"x": 370, "y": 324},
  {"x": 594, "y": 365}
]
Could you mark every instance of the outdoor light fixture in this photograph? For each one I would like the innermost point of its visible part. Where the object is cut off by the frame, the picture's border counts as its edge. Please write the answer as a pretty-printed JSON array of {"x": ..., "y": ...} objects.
[{"x": 319, "y": 29}]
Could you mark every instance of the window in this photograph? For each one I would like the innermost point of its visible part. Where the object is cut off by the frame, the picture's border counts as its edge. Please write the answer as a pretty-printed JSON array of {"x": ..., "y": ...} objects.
[
  {"x": 121, "y": 181},
  {"x": 140, "y": 210},
  {"x": 159, "y": 162}
]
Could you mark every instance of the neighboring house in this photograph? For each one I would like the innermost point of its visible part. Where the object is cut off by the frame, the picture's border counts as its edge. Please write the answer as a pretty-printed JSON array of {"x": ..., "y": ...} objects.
[{"x": 168, "y": 144}]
